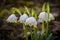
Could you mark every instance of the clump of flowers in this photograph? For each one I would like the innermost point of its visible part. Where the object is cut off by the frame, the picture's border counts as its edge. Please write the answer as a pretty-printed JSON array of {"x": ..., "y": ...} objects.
[{"x": 31, "y": 20}]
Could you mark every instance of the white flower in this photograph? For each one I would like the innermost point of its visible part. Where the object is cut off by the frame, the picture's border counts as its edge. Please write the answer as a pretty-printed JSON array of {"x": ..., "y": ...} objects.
[
  {"x": 51, "y": 17},
  {"x": 23, "y": 18},
  {"x": 31, "y": 20},
  {"x": 12, "y": 18},
  {"x": 43, "y": 16}
]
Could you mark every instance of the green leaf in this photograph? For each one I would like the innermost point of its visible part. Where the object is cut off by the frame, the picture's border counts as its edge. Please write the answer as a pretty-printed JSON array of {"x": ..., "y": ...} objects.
[
  {"x": 25, "y": 31},
  {"x": 13, "y": 10},
  {"x": 49, "y": 37},
  {"x": 41, "y": 36},
  {"x": 43, "y": 7},
  {"x": 47, "y": 23},
  {"x": 31, "y": 33},
  {"x": 35, "y": 36},
  {"x": 34, "y": 14},
  {"x": 48, "y": 8},
  {"x": 27, "y": 10},
  {"x": 16, "y": 10}
]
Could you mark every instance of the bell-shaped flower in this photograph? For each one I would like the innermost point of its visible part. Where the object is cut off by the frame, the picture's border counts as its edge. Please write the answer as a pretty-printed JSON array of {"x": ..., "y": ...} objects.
[
  {"x": 43, "y": 16},
  {"x": 23, "y": 18},
  {"x": 31, "y": 20},
  {"x": 12, "y": 19}
]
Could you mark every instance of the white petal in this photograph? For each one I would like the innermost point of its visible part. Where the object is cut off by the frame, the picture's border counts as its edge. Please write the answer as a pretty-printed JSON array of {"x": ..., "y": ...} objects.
[
  {"x": 23, "y": 18},
  {"x": 31, "y": 20},
  {"x": 12, "y": 18},
  {"x": 51, "y": 17}
]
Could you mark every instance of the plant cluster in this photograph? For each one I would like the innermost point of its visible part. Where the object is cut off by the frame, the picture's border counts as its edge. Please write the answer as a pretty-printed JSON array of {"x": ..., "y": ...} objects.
[{"x": 30, "y": 17}]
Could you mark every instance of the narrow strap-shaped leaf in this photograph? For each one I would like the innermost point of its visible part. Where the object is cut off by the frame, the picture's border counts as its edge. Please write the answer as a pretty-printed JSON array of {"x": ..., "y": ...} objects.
[
  {"x": 47, "y": 23},
  {"x": 41, "y": 36},
  {"x": 35, "y": 33},
  {"x": 16, "y": 10},
  {"x": 48, "y": 8},
  {"x": 25, "y": 31},
  {"x": 49, "y": 37},
  {"x": 31, "y": 33},
  {"x": 34, "y": 14},
  {"x": 43, "y": 7},
  {"x": 27, "y": 10},
  {"x": 13, "y": 10}
]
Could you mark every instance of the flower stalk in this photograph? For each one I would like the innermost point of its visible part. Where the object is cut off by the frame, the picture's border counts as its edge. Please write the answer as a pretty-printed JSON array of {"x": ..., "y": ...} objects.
[
  {"x": 43, "y": 26},
  {"x": 35, "y": 32},
  {"x": 47, "y": 23},
  {"x": 31, "y": 33},
  {"x": 47, "y": 29},
  {"x": 25, "y": 31},
  {"x": 43, "y": 10}
]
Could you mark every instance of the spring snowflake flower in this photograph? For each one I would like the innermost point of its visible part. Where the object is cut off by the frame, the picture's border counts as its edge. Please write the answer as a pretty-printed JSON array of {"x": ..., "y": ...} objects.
[
  {"x": 43, "y": 16},
  {"x": 12, "y": 18},
  {"x": 23, "y": 18},
  {"x": 31, "y": 20}
]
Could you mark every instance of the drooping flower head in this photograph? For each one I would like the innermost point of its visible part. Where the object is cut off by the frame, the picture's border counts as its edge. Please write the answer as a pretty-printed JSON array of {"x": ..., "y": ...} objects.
[
  {"x": 31, "y": 20},
  {"x": 43, "y": 16},
  {"x": 12, "y": 18},
  {"x": 23, "y": 18}
]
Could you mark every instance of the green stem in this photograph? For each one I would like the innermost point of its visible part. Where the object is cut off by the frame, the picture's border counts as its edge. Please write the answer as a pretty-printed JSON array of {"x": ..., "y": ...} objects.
[
  {"x": 25, "y": 32},
  {"x": 43, "y": 26},
  {"x": 31, "y": 33},
  {"x": 47, "y": 29},
  {"x": 47, "y": 26},
  {"x": 35, "y": 33}
]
